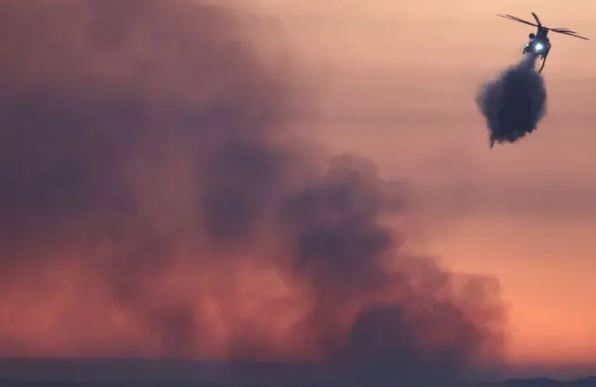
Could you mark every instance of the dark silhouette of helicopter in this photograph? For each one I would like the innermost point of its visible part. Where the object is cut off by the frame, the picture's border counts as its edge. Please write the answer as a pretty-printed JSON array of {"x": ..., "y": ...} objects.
[{"x": 539, "y": 44}]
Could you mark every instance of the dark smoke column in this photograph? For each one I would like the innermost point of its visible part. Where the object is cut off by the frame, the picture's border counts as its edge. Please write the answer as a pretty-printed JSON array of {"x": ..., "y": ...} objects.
[
  {"x": 514, "y": 103},
  {"x": 151, "y": 185}
]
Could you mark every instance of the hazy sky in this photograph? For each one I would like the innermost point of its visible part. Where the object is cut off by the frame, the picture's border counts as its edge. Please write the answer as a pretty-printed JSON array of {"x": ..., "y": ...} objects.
[
  {"x": 157, "y": 201},
  {"x": 396, "y": 81}
]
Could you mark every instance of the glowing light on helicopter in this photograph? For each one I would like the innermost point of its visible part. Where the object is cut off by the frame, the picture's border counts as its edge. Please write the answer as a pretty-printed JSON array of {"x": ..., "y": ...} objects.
[{"x": 538, "y": 47}]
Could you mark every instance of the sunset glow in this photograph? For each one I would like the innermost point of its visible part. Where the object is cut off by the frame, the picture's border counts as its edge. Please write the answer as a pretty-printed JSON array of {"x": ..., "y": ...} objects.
[{"x": 293, "y": 181}]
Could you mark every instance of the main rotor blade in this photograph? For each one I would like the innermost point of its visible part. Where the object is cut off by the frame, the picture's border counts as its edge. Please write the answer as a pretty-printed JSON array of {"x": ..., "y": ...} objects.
[
  {"x": 537, "y": 20},
  {"x": 510, "y": 17},
  {"x": 571, "y": 34},
  {"x": 562, "y": 29}
]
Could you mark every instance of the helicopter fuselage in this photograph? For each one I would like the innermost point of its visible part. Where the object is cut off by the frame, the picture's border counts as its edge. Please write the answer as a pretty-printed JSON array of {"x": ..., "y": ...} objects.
[{"x": 539, "y": 43}]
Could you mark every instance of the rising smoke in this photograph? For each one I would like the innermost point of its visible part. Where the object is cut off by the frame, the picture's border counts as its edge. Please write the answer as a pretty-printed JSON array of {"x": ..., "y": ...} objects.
[
  {"x": 154, "y": 203},
  {"x": 514, "y": 103}
]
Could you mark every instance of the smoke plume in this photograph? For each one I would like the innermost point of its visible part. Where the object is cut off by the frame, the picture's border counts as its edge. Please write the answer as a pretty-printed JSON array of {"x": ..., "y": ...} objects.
[
  {"x": 514, "y": 103},
  {"x": 154, "y": 203}
]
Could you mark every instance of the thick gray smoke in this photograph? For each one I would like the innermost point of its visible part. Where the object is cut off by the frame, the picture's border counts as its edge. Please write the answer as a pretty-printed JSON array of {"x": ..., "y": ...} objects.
[
  {"x": 152, "y": 192},
  {"x": 514, "y": 103}
]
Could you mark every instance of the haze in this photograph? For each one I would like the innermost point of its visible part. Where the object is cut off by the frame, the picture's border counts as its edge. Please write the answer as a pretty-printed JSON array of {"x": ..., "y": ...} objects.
[
  {"x": 398, "y": 84},
  {"x": 171, "y": 186}
]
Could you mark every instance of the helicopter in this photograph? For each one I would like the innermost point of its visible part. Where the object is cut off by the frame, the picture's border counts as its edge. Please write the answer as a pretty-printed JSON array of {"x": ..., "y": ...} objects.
[{"x": 539, "y": 44}]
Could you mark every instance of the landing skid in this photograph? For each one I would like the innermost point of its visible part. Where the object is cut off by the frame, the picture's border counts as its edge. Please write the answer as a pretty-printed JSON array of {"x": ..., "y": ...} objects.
[{"x": 543, "y": 63}]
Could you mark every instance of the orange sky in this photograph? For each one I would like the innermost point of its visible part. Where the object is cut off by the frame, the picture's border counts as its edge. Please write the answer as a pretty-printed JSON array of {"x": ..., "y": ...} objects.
[{"x": 397, "y": 82}]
